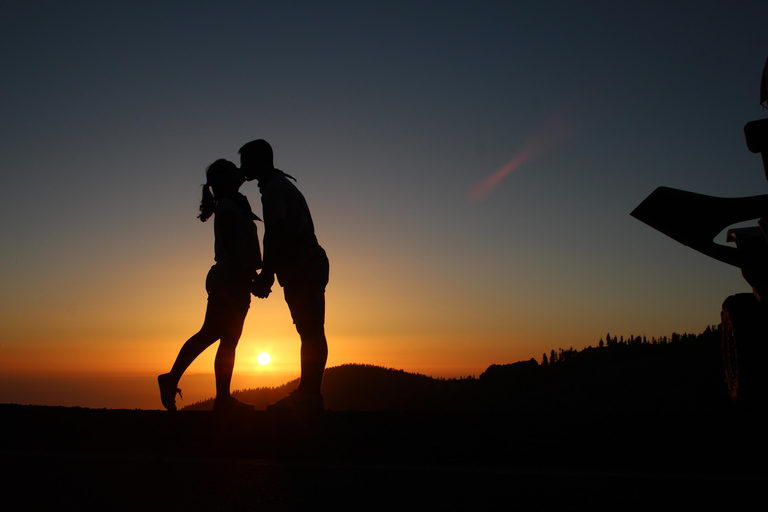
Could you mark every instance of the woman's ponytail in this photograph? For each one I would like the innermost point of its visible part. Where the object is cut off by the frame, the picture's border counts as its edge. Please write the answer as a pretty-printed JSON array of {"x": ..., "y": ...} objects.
[
  {"x": 224, "y": 177},
  {"x": 207, "y": 204}
]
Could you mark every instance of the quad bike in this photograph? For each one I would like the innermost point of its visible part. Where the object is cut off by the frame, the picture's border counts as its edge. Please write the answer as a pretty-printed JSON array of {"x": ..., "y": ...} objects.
[{"x": 695, "y": 220}]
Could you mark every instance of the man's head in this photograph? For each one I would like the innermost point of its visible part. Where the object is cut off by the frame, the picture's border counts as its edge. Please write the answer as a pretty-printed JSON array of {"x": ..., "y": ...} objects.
[{"x": 256, "y": 159}]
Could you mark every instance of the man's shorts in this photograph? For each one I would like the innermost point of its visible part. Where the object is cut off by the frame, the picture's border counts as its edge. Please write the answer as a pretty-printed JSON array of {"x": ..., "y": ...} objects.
[{"x": 305, "y": 291}]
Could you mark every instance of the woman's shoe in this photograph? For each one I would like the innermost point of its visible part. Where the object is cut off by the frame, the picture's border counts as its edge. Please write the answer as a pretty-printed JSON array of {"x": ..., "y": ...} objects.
[{"x": 168, "y": 391}]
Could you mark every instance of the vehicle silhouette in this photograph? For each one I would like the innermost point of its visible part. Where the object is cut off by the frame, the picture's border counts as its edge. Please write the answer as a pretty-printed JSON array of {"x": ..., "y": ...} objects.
[{"x": 695, "y": 220}]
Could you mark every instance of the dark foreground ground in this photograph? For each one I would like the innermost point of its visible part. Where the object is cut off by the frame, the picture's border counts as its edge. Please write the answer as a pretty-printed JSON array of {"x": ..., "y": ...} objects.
[{"x": 83, "y": 459}]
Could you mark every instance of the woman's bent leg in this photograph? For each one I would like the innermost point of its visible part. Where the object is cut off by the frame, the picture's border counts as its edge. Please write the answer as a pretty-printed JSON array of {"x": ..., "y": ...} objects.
[{"x": 194, "y": 346}]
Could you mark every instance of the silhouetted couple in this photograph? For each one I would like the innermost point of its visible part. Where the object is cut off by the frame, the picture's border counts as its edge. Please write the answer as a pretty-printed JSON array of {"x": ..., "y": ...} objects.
[{"x": 291, "y": 252}]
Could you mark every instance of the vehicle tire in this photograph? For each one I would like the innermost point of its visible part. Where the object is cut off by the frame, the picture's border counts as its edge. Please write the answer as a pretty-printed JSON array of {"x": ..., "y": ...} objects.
[{"x": 743, "y": 343}]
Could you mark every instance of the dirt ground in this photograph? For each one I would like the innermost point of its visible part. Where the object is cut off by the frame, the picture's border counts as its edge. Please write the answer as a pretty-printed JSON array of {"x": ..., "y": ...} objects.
[{"x": 86, "y": 459}]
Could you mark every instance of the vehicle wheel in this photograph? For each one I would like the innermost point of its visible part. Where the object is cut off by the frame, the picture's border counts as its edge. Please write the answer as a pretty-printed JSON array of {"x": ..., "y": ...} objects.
[{"x": 743, "y": 344}]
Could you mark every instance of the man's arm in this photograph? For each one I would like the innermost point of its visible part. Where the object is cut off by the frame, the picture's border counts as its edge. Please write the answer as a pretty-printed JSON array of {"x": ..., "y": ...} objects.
[
  {"x": 274, "y": 255},
  {"x": 276, "y": 250}
]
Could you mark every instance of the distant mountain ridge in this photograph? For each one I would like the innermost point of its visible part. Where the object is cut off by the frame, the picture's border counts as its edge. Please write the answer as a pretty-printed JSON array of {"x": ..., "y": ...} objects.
[{"x": 683, "y": 373}]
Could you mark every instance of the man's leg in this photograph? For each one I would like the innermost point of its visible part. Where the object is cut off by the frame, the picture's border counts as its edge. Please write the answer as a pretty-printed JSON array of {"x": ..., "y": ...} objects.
[
  {"x": 314, "y": 354},
  {"x": 305, "y": 296}
]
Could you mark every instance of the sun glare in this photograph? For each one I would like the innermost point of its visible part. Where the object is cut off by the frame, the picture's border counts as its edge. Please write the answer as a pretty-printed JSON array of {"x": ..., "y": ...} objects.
[{"x": 263, "y": 359}]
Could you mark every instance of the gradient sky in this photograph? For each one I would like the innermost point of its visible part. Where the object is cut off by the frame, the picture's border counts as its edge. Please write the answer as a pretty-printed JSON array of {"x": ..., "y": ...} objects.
[{"x": 393, "y": 116}]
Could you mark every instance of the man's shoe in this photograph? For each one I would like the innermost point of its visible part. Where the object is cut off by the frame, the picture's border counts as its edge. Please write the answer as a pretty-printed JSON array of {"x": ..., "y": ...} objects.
[
  {"x": 168, "y": 391},
  {"x": 298, "y": 402},
  {"x": 231, "y": 405}
]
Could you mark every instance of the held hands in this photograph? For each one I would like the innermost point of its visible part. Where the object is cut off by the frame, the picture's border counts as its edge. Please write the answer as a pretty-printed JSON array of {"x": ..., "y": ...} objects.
[{"x": 261, "y": 285}]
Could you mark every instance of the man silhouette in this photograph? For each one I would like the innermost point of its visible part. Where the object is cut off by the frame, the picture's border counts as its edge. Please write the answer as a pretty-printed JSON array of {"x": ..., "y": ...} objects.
[{"x": 292, "y": 253}]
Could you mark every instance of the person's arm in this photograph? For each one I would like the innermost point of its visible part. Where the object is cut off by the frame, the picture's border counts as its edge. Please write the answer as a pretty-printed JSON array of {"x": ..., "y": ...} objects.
[
  {"x": 273, "y": 203},
  {"x": 232, "y": 247},
  {"x": 276, "y": 250},
  {"x": 274, "y": 255}
]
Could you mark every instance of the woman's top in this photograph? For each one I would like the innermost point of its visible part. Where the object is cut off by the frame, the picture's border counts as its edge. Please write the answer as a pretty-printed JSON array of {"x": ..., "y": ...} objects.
[{"x": 236, "y": 245}]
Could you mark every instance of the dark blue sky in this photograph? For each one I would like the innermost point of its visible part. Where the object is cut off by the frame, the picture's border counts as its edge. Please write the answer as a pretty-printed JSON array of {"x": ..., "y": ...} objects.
[{"x": 388, "y": 113}]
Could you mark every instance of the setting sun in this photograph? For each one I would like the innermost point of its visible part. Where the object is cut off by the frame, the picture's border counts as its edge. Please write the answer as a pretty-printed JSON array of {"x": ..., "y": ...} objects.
[{"x": 263, "y": 358}]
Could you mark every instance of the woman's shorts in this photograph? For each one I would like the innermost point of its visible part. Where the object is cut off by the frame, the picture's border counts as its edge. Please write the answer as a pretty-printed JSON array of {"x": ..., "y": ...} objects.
[{"x": 220, "y": 285}]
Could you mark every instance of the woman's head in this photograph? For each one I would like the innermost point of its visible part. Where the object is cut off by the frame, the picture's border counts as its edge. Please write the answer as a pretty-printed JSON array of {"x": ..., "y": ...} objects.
[{"x": 224, "y": 178}]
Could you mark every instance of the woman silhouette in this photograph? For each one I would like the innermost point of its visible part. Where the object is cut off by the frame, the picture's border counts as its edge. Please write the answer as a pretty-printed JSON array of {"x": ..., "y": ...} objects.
[{"x": 238, "y": 257}]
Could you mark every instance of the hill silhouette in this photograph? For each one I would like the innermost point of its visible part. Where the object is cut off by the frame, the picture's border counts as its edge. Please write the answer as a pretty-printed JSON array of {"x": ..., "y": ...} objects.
[{"x": 682, "y": 372}]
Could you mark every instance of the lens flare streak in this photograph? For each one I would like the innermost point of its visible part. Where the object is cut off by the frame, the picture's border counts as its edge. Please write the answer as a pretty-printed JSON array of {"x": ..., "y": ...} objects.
[{"x": 553, "y": 133}]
